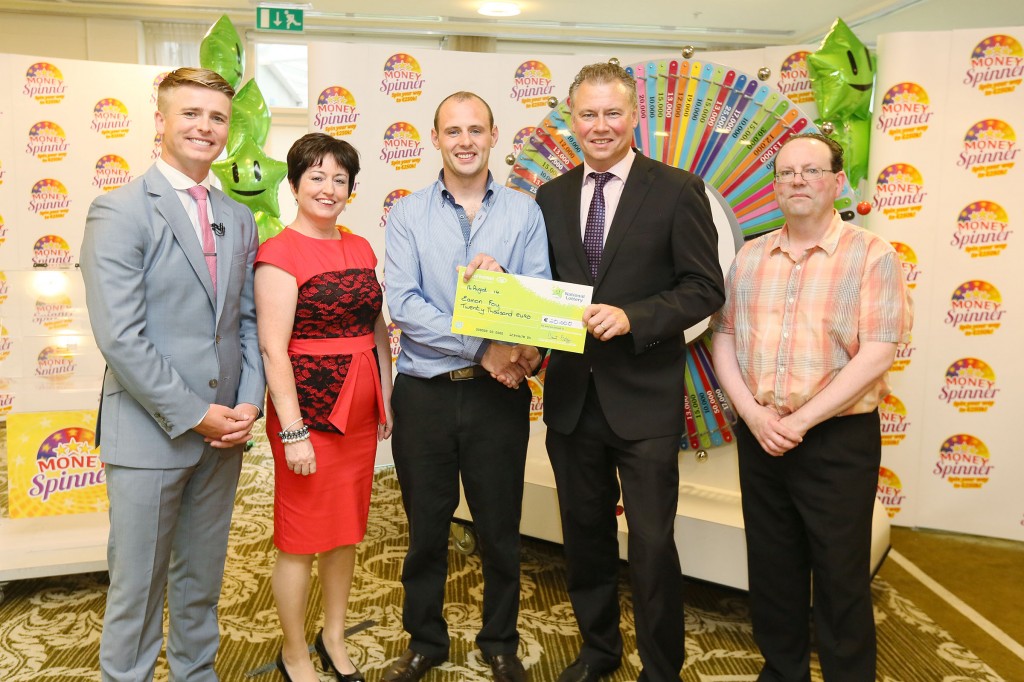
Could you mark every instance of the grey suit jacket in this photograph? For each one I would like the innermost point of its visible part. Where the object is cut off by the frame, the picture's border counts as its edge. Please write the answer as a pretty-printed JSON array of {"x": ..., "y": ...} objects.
[{"x": 172, "y": 347}]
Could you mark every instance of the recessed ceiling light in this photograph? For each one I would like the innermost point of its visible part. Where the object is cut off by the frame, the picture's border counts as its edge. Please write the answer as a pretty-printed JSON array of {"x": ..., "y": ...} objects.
[{"x": 499, "y": 9}]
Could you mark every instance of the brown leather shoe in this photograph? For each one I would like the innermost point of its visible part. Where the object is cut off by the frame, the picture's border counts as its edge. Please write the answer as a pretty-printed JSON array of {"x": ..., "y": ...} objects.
[
  {"x": 508, "y": 668},
  {"x": 410, "y": 667}
]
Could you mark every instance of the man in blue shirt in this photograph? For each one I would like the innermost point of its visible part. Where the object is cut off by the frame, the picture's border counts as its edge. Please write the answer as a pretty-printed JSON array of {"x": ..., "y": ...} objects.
[{"x": 461, "y": 404}]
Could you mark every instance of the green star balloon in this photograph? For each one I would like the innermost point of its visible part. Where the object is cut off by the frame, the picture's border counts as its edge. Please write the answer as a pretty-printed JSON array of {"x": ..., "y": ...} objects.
[
  {"x": 250, "y": 116},
  {"x": 222, "y": 51},
  {"x": 267, "y": 225},
  {"x": 251, "y": 177},
  {"x": 842, "y": 75}
]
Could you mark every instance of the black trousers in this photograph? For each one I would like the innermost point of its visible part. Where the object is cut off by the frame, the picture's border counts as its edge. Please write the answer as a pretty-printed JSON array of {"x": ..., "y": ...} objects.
[
  {"x": 479, "y": 429},
  {"x": 808, "y": 513},
  {"x": 585, "y": 464}
]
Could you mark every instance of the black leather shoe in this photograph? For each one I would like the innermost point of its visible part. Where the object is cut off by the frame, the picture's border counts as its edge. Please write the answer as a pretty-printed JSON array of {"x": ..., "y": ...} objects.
[
  {"x": 328, "y": 664},
  {"x": 581, "y": 672},
  {"x": 280, "y": 666},
  {"x": 410, "y": 667},
  {"x": 507, "y": 668}
]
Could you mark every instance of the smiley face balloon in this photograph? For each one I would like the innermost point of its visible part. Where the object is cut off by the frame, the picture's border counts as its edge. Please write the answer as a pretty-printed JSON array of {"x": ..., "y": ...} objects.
[
  {"x": 222, "y": 51},
  {"x": 250, "y": 176},
  {"x": 842, "y": 75}
]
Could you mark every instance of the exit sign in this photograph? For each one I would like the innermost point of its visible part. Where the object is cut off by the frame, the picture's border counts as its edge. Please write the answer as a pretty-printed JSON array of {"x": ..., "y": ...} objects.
[{"x": 279, "y": 19}]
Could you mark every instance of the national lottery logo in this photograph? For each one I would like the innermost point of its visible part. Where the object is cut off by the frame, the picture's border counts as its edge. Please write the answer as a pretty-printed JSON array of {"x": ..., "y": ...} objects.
[
  {"x": 111, "y": 172},
  {"x": 336, "y": 112},
  {"x": 794, "y": 81},
  {"x": 905, "y": 112},
  {"x": 67, "y": 461},
  {"x": 6, "y": 343},
  {"x": 155, "y": 92},
  {"x": 890, "y": 491},
  {"x": 49, "y": 199},
  {"x": 389, "y": 203},
  {"x": 899, "y": 191},
  {"x": 402, "y": 147},
  {"x": 964, "y": 461},
  {"x": 47, "y": 142},
  {"x": 908, "y": 261},
  {"x": 403, "y": 78},
  {"x": 55, "y": 364},
  {"x": 394, "y": 338},
  {"x": 44, "y": 83},
  {"x": 996, "y": 65},
  {"x": 982, "y": 229},
  {"x": 532, "y": 84},
  {"x": 990, "y": 148},
  {"x": 110, "y": 118},
  {"x": 53, "y": 312},
  {"x": 975, "y": 308},
  {"x": 521, "y": 138},
  {"x": 970, "y": 386},
  {"x": 893, "y": 415},
  {"x": 51, "y": 250},
  {"x": 904, "y": 355}
]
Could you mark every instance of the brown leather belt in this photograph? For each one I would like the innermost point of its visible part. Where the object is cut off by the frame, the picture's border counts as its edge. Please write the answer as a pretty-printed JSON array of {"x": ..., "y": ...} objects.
[{"x": 464, "y": 374}]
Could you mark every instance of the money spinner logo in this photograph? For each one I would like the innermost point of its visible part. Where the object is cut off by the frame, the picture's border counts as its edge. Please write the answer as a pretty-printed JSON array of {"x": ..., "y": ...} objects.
[
  {"x": 154, "y": 94},
  {"x": 904, "y": 355},
  {"x": 521, "y": 138},
  {"x": 6, "y": 398},
  {"x": 403, "y": 78},
  {"x": 905, "y": 112},
  {"x": 3, "y": 234},
  {"x": 964, "y": 461},
  {"x": 975, "y": 308},
  {"x": 997, "y": 65},
  {"x": 4, "y": 288},
  {"x": 336, "y": 112},
  {"x": 890, "y": 491},
  {"x": 110, "y": 118},
  {"x": 394, "y": 338},
  {"x": 68, "y": 462},
  {"x": 6, "y": 343},
  {"x": 982, "y": 229},
  {"x": 794, "y": 82},
  {"x": 899, "y": 191},
  {"x": 47, "y": 142},
  {"x": 990, "y": 148},
  {"x": 51, "y": 250},
  {"x": 2, "y": 172},
  {"x": 158, "y": 143},
  {"x": 53, "y": 312},
  {"x": 55, "y": 364},
  {"x": 970, "y": 386},
  {"x": 49, "y": 199},
  {"x": 112, "y": 171},
  {"x": 532, "y": 84},
  {"x": 402, "y": 147},
  {"x": 389, "y": 202},
  {"x": 908, "y": 261},
  {"x": 45, "y": 83},
  {"x": 893, "y": 414}
]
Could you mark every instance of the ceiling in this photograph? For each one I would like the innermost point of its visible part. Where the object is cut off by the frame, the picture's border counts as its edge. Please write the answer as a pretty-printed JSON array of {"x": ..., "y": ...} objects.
[{"x": 646, "y": 24}]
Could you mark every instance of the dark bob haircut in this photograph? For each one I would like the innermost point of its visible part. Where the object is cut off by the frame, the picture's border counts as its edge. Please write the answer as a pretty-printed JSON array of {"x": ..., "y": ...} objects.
[{"x": 309, "y": 151}]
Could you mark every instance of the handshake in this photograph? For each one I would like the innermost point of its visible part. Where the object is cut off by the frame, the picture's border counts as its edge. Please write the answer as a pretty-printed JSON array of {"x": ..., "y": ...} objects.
[{"x": 510, "y": 364}]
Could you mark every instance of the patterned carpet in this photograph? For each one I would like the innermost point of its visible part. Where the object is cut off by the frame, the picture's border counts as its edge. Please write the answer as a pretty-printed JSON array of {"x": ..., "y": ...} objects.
[{"x": 50, "y": 628}]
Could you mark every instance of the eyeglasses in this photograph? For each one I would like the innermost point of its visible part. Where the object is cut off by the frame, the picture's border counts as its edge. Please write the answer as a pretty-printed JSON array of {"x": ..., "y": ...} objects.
[{"x": 808, "y": 175}]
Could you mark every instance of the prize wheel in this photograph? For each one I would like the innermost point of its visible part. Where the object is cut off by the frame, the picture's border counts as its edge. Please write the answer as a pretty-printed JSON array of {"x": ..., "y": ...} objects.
[{"x": 722, "y": 125}]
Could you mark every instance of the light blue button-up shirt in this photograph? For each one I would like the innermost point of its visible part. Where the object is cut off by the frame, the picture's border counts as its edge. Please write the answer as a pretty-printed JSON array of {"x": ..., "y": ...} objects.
[{"x": 424, "y": 246}]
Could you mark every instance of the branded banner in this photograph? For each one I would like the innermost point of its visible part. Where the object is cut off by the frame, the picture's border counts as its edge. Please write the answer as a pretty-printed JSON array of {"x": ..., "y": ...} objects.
[
  {"x": 947, "y": 169},
  {"x": 53, "y": 464}
]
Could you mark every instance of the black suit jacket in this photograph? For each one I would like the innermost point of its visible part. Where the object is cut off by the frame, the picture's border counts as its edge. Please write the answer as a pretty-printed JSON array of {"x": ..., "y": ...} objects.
[{"x": 660, "y": 265}]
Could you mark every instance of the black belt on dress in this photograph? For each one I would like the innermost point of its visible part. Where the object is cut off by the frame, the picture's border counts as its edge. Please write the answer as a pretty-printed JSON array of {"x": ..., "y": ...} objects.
[{"x": 464, "y": 374}]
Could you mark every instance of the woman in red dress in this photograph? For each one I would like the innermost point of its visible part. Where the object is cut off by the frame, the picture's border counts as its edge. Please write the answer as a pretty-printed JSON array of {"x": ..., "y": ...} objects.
[{"x": 328, "y": 363}]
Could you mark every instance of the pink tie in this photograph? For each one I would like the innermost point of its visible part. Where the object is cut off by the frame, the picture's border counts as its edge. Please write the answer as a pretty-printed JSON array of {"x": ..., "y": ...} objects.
[{"x": 209, "y": 247}]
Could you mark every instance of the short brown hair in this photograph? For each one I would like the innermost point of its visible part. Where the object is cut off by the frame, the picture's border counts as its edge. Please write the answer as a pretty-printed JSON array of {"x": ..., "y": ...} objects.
[
  {"x": 310, "y": 150},
  {"x": 190, "y": 76},
  {"x": 601, "y": 73},
  {"x": 462, "y": 96},
  {"x": 835, "y": 149}
]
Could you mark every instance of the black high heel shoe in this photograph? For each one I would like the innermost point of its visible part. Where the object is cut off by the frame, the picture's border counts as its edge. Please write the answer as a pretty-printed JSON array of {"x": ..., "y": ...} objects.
[
  {"x": 280, "y": 666},
  {"x": 328, "y": 664}
]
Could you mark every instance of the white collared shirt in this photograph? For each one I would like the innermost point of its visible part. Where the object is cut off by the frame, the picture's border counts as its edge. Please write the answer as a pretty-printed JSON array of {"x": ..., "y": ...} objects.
[
  {"x": 612, "y": 192},
  {"x": 181, "y": 184}
]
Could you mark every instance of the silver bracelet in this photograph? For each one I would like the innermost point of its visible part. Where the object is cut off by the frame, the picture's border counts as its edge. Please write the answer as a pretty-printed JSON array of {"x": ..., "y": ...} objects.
[{"x": 296, "y": 436}]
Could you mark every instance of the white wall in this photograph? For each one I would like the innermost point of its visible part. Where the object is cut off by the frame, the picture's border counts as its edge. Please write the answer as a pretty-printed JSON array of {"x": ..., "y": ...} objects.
[{"x": 101, "y": 40}]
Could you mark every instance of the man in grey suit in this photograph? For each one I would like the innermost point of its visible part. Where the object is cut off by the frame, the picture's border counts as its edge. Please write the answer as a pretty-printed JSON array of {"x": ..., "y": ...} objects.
[{"x": 168, "y": 269}]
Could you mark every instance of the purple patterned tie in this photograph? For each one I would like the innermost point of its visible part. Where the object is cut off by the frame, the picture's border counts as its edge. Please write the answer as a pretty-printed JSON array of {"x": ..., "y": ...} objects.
[
  {"x": 593, "y": 236},
  {"x": 209, "y": 247}
]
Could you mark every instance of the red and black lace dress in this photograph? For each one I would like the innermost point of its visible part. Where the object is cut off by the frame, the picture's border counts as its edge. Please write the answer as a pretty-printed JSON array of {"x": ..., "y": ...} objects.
[{"x": 338, "y": 384}]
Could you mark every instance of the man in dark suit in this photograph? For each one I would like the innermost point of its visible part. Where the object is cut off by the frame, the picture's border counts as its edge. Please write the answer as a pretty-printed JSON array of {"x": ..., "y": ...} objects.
[
  {"x": 642, "y": 234},
  {"x": 167, "y": 262}
]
